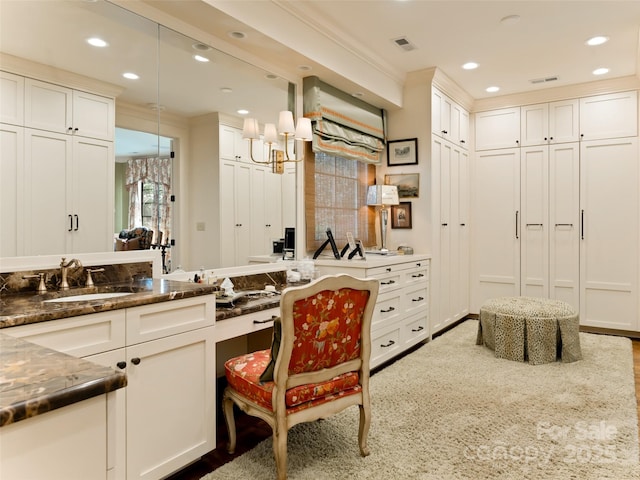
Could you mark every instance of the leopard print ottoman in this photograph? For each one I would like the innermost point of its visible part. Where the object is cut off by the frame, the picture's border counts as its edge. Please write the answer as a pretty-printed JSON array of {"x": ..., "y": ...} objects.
[{"x": 537, "y": 330}]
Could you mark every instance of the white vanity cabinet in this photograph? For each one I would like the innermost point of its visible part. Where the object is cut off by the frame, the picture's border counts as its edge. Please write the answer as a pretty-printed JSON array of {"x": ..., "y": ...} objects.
[
  {"x": 401, "y": 317},
  {"x": 55, "y": 108},
  {"x": 165, "y": 417}
]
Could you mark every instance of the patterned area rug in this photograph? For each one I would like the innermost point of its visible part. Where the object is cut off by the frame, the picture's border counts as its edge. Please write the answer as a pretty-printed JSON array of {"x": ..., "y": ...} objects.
[{"x": 451, "y": 410}]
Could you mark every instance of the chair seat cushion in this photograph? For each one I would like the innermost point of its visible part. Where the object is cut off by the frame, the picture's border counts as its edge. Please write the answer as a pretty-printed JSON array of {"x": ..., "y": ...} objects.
[{"x": 243, "y": 375}]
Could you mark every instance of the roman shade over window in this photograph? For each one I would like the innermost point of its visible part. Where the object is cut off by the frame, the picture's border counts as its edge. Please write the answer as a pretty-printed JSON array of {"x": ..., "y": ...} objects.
[{"x": 343, "y": 125}]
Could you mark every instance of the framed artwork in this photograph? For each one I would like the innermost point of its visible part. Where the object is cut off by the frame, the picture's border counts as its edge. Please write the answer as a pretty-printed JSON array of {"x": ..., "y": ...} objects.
[
  {"x": 402, "y": 152},
  {"x": 401, "y": 215},
  {"x": 408, "y": 184}
]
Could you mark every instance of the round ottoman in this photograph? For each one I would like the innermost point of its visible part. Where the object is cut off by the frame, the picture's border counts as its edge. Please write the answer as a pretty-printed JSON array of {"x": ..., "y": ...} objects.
[{"x": 537, "y": 330}]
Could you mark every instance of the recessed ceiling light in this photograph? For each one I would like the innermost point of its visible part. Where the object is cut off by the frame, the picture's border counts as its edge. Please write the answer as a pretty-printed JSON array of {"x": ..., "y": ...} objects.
[
  {"x": 97, "y": 42},
  {"x": 130, "y": 76},
  {"x": 237, "y": 35},
  {"x": 600, "y": 71},
  {"x": 357, "y": 94},
  {"x": 242, "y": 111},
  {"x": 226, "y": 90},
  {"x": 271, "y": 76},
  {"x": 470, "y": 65},
  {"x": 510, "y": 20},
  {"x": 201, "y": 47},
  {"x": 200, "y": 58},
  {"x": 598, "y": 40},
  {"x": 493, "y": 89},
  {"x": 304, "y": 68}
]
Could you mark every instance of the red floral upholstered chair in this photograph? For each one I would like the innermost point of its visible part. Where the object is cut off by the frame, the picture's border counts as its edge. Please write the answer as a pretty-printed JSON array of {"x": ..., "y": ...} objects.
[{"x": 319, "y": 367}]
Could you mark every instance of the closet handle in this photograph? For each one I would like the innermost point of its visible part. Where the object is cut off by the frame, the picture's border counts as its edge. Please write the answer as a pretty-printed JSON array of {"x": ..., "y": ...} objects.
[
  {"x": 517, "y": 236},
  {"x": 564, "y": 224},
  {"x": 534, "y": 225},
  {"x": 77, "y": 222},
  {"x": 70, "y": 223},
  {"x": 582, "y": 224}
]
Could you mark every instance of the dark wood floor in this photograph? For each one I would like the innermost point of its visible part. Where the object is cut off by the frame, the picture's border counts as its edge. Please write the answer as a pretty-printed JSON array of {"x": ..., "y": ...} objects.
[{"x": 251, "y": 431}]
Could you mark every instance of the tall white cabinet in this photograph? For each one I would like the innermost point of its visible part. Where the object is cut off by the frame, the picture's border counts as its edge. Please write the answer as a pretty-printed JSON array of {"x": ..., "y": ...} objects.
[
  {"x": 57, "y": 168},
  {"x": 549, "y": 216},
  {"x": 450, "y": 210}
]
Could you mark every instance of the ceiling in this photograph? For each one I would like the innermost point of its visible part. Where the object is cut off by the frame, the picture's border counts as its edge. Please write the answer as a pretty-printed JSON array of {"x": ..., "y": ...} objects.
[{"x": 546, "y": 40}]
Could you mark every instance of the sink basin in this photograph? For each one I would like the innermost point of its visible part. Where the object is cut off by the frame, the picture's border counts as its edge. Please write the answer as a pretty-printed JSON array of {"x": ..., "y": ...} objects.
[{"x": 88, "y": 296}]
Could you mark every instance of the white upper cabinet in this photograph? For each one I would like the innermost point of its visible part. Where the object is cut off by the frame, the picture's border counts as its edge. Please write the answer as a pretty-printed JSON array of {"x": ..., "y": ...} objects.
[
  {"x": 609, "y": 116},
  {"x": 549, "y": 123},
  {"x": 63, "y": 110},
  {"x": 12, "y": 95},
  {"x": 498, "y": 129},
  {"x": 448, "y": 119}
]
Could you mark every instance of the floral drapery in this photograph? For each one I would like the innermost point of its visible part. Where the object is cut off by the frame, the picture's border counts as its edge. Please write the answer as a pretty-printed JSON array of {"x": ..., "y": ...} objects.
[{"x": 156, "y": 171}]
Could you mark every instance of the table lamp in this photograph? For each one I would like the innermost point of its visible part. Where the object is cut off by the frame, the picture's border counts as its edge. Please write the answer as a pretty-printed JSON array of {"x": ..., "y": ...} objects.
[{"x": 382, "y": 196}]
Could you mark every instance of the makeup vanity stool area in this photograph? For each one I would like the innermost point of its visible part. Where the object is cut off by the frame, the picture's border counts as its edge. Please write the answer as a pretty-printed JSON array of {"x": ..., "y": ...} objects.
[
  {"x": 164, "y": 418},
  {"x": 401, "y": 317}
]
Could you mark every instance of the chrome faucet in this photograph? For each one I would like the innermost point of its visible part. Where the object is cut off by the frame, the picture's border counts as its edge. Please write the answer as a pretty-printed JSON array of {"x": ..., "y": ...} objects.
[{"x": 64, "y": 285}]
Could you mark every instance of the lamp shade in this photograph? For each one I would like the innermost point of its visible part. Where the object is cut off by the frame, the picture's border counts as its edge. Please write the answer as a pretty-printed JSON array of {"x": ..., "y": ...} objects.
[
  {"x": 250, "y": 129},
  {"x": 285, "y": 123},
  {"x": 303, "y": 129},
  {"x": 270, "y": 133},
  {"x": 382, "y": 195}
]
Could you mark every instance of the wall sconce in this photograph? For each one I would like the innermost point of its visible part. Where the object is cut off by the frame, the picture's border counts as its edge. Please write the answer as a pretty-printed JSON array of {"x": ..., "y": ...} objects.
[
  {"x": 382, "y": 196},
  {"x": 302, "y": 131}
]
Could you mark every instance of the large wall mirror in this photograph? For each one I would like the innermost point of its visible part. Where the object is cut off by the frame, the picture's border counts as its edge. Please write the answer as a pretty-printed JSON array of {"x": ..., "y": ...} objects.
[{"x": 166, "y": 120}]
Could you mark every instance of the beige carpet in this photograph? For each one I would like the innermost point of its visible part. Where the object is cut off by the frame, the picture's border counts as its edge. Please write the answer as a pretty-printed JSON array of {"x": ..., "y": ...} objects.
[{"x": 450, "y": 410}]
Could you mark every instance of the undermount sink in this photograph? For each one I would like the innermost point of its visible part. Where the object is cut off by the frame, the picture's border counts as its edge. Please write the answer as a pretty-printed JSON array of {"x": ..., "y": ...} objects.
[{"x": 87, "y": 297}]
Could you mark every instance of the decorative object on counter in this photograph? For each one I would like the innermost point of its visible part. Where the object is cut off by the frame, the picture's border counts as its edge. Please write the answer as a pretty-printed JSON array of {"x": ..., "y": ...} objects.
[
  {"x": 329, "y": 241},
  {"x": 401, "y": 215},
  {"x": 286, "y": 127},
  {"x": 404, "y": 250},
  {"x": 408, "y": 184},
  {"x": 383, "y": 196},
  {"x": 402, "y": 152},
  {"x": 227, "y": 286}
]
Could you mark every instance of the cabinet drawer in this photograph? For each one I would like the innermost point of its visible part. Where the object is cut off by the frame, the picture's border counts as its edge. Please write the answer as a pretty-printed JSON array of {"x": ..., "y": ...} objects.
[
  {"x": 77, "y": 336},
  {"x": 245, "y": 324},
  {"x": 416, "y": 299},
  {"x": 414, "y": 330},
  {"x": 158, "y": 320},
  {"x": 388, "y": 309},
  {"x": 389, "y": 281},
  {"x": 417, "y": 275},
  {"x": 384, "y": 345}
]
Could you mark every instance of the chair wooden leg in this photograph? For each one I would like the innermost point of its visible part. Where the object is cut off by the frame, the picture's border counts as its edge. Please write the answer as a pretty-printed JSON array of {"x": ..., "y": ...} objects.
[
  {"x": 280, "y": 451},
  {"x": 227, "y": 406},
  {"x": 363, "y": 432}
]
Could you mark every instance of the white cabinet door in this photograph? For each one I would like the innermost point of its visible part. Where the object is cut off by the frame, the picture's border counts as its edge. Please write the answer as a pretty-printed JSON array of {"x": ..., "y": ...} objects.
[
  {"x": 11, "y": 190},
  {"x": 48, "y": 221},
  {"x": 534, "y": 124},
  {"x": 48, "y": 106},
  {"x": 496, "y": 226},
  {"x": 460, "y": 273},
  {"x": 442, "y": 261},
  {"x": 609, "y": 233},
  {"x": 93, "y": 195},
  {"x": 564, "y": 121},
  {"x": 460, "y": 126},
  {"x": 534, "y": 205},
  {"x": 93, "y": 116},
  {"x": 497, "y": 129},
  {"x": 564, "y": 208},
  {"x": 170, "y": 403},
  {"x": 235, "y": 213},
  {"x": 609, "y": 116},
  {"x": 11, "y": 99},
  {"x": 266, "y": 211}
]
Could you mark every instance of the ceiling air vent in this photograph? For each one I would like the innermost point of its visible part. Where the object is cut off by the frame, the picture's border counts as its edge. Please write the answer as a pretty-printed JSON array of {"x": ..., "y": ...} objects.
[
  {"x": 544, "y": 80},
  {"x": 404, "y": 44}
]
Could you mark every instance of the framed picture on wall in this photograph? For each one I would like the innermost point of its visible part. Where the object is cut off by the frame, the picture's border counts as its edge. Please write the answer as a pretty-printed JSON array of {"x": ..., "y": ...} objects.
[
  {"x": 401, "y": 215},
  {"x": 402, "y": 152},
  {"x": 408, "y": 184}
]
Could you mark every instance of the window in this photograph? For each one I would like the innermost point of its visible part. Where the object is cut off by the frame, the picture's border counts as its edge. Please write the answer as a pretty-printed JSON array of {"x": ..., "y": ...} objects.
[{"x": 335, "y": 198}]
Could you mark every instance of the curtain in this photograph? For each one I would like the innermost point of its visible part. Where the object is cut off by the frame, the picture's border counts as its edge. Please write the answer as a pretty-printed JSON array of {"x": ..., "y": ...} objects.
[
  {"x": 155, "y": 171},
  {"x": 343, "y": 125}
]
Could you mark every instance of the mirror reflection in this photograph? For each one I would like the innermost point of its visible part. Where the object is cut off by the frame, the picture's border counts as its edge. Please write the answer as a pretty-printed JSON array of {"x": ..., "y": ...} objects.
[{"x": 111, "y": 134}]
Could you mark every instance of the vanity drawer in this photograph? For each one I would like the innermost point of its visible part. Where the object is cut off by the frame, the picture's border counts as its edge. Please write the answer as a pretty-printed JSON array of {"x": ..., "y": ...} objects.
[
  {"x": 416, "y": 299},
  {"x": 157, "y": 320},
  {"x": 387, "y": 309},
  {"x": 244, "y": 324},
  {"x": 414, "y": 330},
  {"x": 78, "y": 336},
  {"x": 385, "y": 344}
]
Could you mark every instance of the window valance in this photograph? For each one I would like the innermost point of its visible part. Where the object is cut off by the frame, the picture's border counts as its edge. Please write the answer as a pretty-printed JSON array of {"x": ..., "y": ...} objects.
[{"x": 343, "y": 125}]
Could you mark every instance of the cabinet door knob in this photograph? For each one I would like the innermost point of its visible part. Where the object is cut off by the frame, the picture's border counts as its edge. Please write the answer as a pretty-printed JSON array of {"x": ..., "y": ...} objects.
[
  {"x": 391, "y": 342},
  {"x": 121, "y": 365},
  {"x": 135, "y": 361}
]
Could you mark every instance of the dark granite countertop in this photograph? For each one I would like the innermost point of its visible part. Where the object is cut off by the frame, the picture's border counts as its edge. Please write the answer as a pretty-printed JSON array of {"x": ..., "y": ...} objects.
[
  {"x": 25, "y": 308},
  {"x": 35, "y": 380}
]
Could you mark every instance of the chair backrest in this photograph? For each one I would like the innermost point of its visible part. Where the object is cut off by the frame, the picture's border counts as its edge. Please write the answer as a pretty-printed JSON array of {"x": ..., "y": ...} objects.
[
  {"x": 143, "y": 235},
  {"x": 326, "y": 329}
]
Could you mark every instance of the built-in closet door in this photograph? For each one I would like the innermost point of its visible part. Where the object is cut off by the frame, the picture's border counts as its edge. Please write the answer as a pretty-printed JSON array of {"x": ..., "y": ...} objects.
[
  {"x": 564, "y": 219},
  {"x": 496, "y": 228},
  {"x": 535, "y": 221},
  {"x": 609, "y": 233},
  {"x": 444, "y": 152}
]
